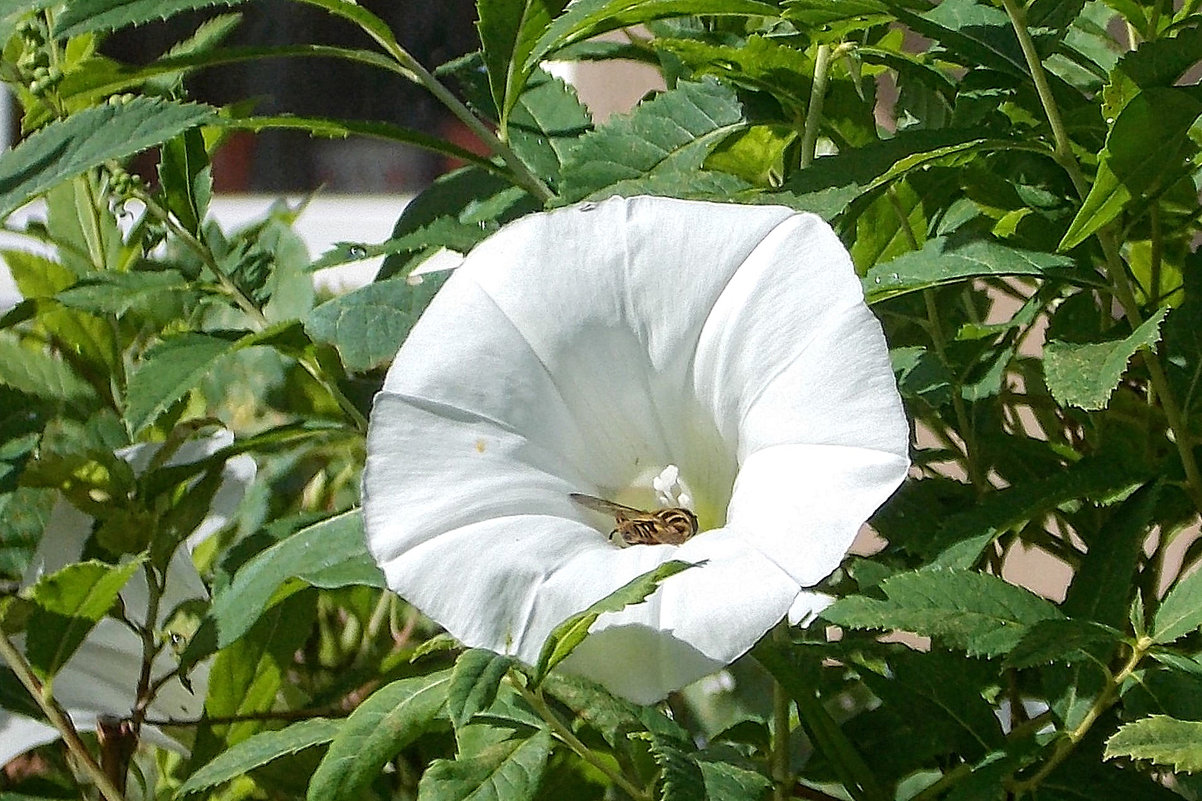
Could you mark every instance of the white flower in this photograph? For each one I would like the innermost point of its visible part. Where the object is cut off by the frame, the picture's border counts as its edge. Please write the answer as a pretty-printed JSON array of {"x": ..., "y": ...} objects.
[
  {"x": 619, "y": 349},
  {"x": 101, "y": 678}
]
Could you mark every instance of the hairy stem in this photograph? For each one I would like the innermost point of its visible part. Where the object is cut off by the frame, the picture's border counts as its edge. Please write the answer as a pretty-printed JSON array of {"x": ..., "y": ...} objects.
[{"x": 58, "y": 718}]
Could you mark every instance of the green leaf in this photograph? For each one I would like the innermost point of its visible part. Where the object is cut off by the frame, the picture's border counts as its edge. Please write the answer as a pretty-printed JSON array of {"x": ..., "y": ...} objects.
[
  {"x": 973, "y": 34},
  {"x": 508, "y": 30},
  {"x": 456, "y": 211},
  {"x": 612, "y": 717},
  {"x": 169, "y": 370},
  {"x": 1147, "y": 149},
  {"x": 731, "y": 783},
  {"x": 1102, "y": 586},
  {"x": 368, "y": 325},
  {"x": 933, "y": 702},
  {"x": 564, "y": 638},
  {"x": 947, "y": 260},
  {"x": 1062, "y": 641},
  {"x": 173, "y": 367},
  {"x": 1095, "y": 479},
  {"x": 971, "y": 611},
  {"x": 328, "y": 128},
  {"x": 69, "y": 603},
  {"x": 845, "y": 15},
  {"x": 117, "y": 293},
  {"x": 1181, "y": 610},
  {"x": 187, "y": 178},
  {"x": 585, "y": 19},
  {"x": 1161, "y": 740},
  {"x": 259, "y": 750},
  {"x": 668, "y": 136},
  {"x": 508, "y": 771},
  {"x": 329, "y": 554},
  {"x": 390, "y": 719},
  {"x": 474, "y": 682},
  {"x": 36, "y": 372},
  {"x": 246, "y": 676},
  {"x": 680, "y": 775},
  {"x": 84, "y": 16},
  {"x": 1162, "y": 61},
  {"x": 66, "y": 148},
  {"x": 546, "y": 123},
  {"x": 1084, "y": 375}
]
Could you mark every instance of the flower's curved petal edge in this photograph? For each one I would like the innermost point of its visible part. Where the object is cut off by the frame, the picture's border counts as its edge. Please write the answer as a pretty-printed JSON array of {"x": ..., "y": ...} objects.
[
  {"x": 101, "y": 677},
  {"x": 577, "y": 349}
]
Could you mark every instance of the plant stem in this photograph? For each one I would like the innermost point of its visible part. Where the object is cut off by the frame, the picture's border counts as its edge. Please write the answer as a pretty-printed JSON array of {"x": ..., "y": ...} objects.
[
  {"x": 782, "y": 778},
  {"x": 248, "y": 306},
  {"x": 809, "y": 137},
  {"x": 565, "y": 734},
  {"x": 1115, "y": 267},
  {"x": 1065, "y": 745},
  {"x": 58, "y": 718}
]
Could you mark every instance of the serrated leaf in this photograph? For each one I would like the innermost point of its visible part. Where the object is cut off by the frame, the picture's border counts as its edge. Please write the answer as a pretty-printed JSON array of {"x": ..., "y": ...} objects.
[
  {"x": 934, "y": 702},
  {"x": 329, "y": 554},
  {"x": 546, "y": 122},
  {"x": 390, "y": 719},
  {"x": 564, "y": 638},
  {"x": 1005, "y": 510},
  {"x": 1084, "y": 375},
  {"x": 260, "y": 749},
  {"x": 368, "y": 325},
  {"x": 186, "y": 177},
  {"x": 614, "y": 718},
  {"x": 1181, "y": 610},
  {"x": 731, "y": 783},
  {"x": 508, "y": 771},
  {"x": 585, "y": 19},
  {"x": 670, "y": 135},
  {"x": 966, "y": 610},
  {"x": 38, "y": 373},
  {"x": 1061, "y": 641},
  {"x": 680, "y": 776},
  {"x": 69, "y": 603},
  {"x": 1102, "y": 586},
  {"x": 474, "y": 682},
  {"x": 118, "y": 292},
  {"x": 1161, "y": 740},
  {"x": 973, "y": 34},
  {"x": 84, "y": 16},
  {"x": 68, "y": 147},
  {"x": 457, "y": 210},
  {"x": 1162, "y": 61},
  {"x": 169, "y": 370},
  {"x": 508, "y": 30},
  {"x": 946, "y": 260}
]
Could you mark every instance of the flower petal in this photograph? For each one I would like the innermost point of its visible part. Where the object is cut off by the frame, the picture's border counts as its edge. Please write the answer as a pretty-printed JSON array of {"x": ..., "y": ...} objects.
[{"x": 585, "y": 349}]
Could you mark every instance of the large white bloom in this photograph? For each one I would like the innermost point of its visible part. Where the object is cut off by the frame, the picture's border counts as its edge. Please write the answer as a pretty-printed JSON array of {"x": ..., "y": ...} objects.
[
  {"x": 592, "y": 348},
  {"x": 101, "y": 678}
]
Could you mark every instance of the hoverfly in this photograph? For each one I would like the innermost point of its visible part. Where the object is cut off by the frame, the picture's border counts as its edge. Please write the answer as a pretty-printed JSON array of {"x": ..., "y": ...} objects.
[{"x": 636, "y": 527}]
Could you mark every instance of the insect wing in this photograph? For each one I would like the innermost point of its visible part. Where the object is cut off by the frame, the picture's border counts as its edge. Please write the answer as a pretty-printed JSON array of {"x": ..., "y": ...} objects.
[{"x": 603, "y": 506}]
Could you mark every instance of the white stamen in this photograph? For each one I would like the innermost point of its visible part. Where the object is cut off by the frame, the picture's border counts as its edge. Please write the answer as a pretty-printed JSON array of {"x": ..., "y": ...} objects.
[{"x": 670, "y": 490}]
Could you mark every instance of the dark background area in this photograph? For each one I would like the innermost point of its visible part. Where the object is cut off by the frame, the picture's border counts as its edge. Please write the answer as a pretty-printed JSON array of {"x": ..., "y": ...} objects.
[{"x": 434, "y": 32}]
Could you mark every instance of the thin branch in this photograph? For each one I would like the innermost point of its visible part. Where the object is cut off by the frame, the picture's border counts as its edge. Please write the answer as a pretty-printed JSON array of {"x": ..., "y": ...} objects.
[{"x": 58, "y": 718}]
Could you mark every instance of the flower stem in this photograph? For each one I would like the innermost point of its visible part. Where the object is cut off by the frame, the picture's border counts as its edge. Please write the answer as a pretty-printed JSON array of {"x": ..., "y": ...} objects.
[
  {"x": 809, "y": 137},
  {"x": 1115, "y": 268},
  {"x": 58, "y": 718},
  {"x": 536, "y": 701}
]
